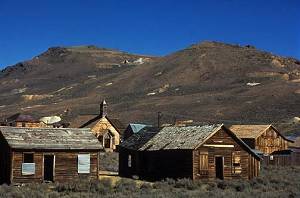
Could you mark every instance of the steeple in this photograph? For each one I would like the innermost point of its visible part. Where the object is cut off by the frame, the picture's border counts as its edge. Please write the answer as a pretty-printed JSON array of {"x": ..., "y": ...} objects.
[{"x": 103, "y": 109}]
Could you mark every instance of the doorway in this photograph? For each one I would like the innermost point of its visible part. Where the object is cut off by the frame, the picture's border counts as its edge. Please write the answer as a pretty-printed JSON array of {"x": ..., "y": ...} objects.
[
  {"x": 219, "y": 165},
  {"x": 49, "y": 168}
]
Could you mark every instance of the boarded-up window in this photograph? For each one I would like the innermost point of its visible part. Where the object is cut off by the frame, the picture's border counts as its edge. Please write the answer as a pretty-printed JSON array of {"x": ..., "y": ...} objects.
[
  {"x": 28, "y": 165},
  {"x": 203, "y": 163},
  {"x": 28, "y": 158},
  {"x": 129, "y": 161},
  {"x": 84, "y": 163},
  {"x": 236, "y": 162}
]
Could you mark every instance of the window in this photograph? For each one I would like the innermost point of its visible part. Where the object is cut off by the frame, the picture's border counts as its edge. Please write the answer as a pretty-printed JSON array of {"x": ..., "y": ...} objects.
[
  {"x": 84, "y": 163},
  {"x": 23, "y": 124},
  {"x": 129, "y": 161},
  {"x": 28, "y": 165},
  {"x": 236, "y": 162},
  {"x": 28, "y": 158},
  {"x": 203, "y": 163}
]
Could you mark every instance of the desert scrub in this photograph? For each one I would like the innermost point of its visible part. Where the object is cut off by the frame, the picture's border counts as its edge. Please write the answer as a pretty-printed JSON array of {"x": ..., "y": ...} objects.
[{"x": 275, "y": 182}]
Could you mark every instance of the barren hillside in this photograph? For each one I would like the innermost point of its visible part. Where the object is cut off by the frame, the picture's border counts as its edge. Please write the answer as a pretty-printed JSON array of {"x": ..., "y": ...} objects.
[{"x": 206, "y": 82}]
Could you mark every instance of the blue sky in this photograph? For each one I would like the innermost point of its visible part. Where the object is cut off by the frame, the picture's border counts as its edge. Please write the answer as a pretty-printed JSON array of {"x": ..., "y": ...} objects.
[{"x": 154, "y": 27}]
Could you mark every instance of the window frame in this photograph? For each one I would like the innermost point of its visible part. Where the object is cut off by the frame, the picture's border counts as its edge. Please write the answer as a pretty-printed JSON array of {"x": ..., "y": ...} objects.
[
  {"x": 80, "y": 166},
  {"x": 236, "y": 166}
]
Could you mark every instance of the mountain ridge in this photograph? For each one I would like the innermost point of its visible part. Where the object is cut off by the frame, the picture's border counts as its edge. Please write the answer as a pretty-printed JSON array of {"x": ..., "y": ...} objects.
[{"x": 208, "y": 82}]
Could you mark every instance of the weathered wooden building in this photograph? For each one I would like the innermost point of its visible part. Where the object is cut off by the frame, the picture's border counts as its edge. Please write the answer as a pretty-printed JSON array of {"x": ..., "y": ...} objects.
[
  {"x": 47, "y": 154},
  {"x": 195, "y": 152},
  {"x": 290, "y": 157},
  {"x": 264, "y": 138},
  {"x": 107, "y": 130},
  {"x": 22, "y": 120}
]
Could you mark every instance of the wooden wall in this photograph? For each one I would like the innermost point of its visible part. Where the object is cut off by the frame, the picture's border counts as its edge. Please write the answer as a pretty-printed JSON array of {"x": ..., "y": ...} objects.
[
  {"x": 29, "y": 124},
  {"x": 248, "y": 164},
  {"x": 270, "y": 141},
  {"x": 156, "y": 165},
  {"x": 66, "y": 167},
  {"x": 292, "y": 159},
  {"x": 5, "y": 161}
]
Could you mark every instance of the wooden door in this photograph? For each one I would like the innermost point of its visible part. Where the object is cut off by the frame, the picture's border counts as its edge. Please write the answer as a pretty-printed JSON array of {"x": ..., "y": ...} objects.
[
  {"x": 219, "y": 167},
  {"x": 49, "y": 168}
]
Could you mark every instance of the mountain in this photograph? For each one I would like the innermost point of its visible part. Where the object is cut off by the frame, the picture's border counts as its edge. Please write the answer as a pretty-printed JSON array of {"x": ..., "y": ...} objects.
[{"x": 206, "y": 82}]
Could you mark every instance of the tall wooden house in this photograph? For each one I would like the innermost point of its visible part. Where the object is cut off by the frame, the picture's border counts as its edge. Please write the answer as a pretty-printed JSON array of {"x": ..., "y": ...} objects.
[
  {"x": 107, "y": 130},
  {"x": 22, "y": 120},
  {"x": 195, "y": 152},
  {"x": 264, "y": 138},
  {"x": 47, "y": 154}
]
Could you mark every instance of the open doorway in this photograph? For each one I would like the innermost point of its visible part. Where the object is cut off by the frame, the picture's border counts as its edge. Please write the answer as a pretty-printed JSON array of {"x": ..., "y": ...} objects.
[
  {"x": 49, "y": 168},
  {"x": 219, "y": 165}
]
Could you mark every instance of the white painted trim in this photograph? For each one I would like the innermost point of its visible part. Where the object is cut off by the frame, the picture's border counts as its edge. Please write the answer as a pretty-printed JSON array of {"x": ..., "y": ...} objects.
[{"x": 220, "y": 145}]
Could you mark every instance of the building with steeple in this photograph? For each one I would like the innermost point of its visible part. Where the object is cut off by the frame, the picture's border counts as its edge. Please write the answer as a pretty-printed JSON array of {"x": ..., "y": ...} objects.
[{"x": 106, "y": 129}]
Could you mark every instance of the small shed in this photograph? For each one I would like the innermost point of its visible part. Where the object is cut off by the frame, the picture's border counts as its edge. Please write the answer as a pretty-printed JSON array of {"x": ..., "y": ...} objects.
[
  {"x": 47, "y": 154},
  {"x": 195, "y": 152},
  {"x": 22, "y": 120},
  {"x": 107, "y": 130},
  {"x": 289, "y": 157},
  {"x": 265, "y": 138}
]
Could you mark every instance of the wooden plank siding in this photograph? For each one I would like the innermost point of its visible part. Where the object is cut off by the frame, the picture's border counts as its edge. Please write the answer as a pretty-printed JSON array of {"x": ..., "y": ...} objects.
[
  {"x": 5, "y": 162},
  {"x": 65, "y": 166},
  {"x": 270, "y": 141},
  {"x": 248, "y": 163}
]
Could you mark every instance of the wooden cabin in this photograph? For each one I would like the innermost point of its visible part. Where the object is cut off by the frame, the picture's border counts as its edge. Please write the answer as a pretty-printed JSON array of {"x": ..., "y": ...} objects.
[
  {"x": 264, "y": 138},
  {"x": 22, "y": 120},
  {"x": 107, "y": 130},
  {"x": 195, "y": 152},
  {"x": 47, "y": 154}
]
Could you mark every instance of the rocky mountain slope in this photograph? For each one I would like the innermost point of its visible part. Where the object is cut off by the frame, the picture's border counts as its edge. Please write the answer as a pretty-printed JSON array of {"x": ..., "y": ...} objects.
[{"x": 206, "y": 82}]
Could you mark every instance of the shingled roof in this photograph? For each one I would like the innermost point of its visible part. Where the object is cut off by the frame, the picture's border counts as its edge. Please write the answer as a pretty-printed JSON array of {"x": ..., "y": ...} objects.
[
  {"x": 171, "y": 138},
  {"x": 50, "y": 138},
  {"x": 253, "y": 131}
]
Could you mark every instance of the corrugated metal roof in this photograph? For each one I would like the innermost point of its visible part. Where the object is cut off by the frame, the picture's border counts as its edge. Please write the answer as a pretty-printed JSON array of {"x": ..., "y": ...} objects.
[
  {"x": 50, "y": 138},
  {"x": 137, "y": 127}
]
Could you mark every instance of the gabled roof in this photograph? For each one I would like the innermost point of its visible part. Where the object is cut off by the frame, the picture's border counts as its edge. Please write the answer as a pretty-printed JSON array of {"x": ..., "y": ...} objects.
[
  {"x": 253, "y": 131},
  {"x": 180, "y": 137},
  {"x": 50, "y": 138},
  {"x": 135, "y": 128},
  {"x": 18, "y": 117},
  {"x": 137, "y": 140},
  {"x": 117, "y": 124},
  {"x": 175, "y": 138}
]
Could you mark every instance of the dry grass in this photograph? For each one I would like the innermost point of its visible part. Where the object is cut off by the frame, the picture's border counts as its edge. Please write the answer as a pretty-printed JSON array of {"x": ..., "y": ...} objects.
[{"x": 273, "y": 182}]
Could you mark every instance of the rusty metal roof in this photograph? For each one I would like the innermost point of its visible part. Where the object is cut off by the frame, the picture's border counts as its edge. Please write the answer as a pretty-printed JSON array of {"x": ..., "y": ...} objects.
[{"x": 50, "y": 138}]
